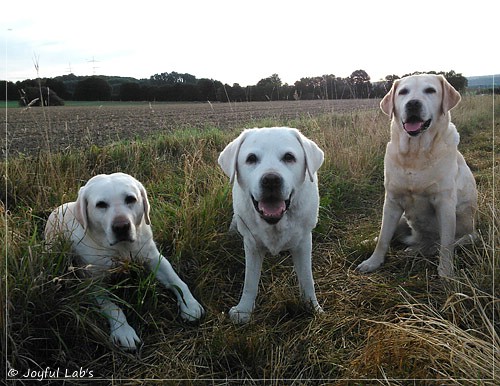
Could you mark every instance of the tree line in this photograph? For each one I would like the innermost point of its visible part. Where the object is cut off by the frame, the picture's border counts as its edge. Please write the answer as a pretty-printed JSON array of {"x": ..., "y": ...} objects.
[{"x": 173, "y": 86}]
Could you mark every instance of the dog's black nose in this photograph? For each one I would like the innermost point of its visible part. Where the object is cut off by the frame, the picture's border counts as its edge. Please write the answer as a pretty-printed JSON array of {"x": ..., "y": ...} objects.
[
  {"x": 121, "y": 229},
  {"x": 413, "y": 107},
  {"x": 271, "y": 181}
]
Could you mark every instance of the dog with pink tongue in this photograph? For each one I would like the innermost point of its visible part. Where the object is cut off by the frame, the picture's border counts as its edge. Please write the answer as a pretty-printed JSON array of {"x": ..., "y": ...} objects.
[{"x": 275, "y": 201}]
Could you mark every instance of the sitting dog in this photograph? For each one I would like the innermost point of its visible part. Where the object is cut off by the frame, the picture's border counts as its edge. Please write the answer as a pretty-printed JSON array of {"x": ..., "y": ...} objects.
[
  {"x": 275, "y": 203},
  {"x": 430, "y": 192},
  {"x": 110, "y": 222}
]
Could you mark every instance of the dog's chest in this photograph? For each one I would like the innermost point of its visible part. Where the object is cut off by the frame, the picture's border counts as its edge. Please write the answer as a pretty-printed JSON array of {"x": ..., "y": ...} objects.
[
  {"x": 275, "y": 241},
  {"x": 102, "y": 262},
  {"x": 424, "y": 176},
  {"x": 409, "y": 182},
  {"x": 271, "y": 239}
]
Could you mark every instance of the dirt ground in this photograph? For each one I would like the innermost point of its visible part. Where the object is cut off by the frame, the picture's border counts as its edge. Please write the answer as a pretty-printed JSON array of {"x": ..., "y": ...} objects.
[{"x": 34, "y": 130}]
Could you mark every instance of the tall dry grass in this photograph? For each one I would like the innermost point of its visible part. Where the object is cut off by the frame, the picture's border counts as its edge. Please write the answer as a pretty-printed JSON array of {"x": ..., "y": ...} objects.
[{"x": 397, "y": 325}]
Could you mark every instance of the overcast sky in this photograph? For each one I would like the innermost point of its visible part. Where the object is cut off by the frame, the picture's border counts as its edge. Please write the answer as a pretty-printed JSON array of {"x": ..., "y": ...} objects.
[{"x": 244, "y": 41}]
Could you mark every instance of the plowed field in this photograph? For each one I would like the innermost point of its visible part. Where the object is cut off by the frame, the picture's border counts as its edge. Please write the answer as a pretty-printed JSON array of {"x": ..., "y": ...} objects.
[{"x": 34, "y": 130}]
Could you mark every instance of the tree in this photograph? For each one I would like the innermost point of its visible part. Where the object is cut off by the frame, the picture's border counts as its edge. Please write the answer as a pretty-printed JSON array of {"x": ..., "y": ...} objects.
[
  {"x": 93, "y": 88},
  {"x": 224, "y": 93},
  {"x": 172, "y": 78},
  {"x": 186, "y": 92},
  {"x": 268, "y": 88},
  {"x": 361, "y": 84},
  {"x": 328, "y": 85},
  {"x": 309, "y": 88},
  {"x": 379, "y": 89},
  {"x": 130, "y": 91},
  {"x": 389, "y": 81},
  {"x": 70, "y": 81},
  {"x": 207, "y": 89},
  {"x": 456, "y": 80},
  {"x": 58, "y": 87},
  {"x": 238, "y": 93},
  {"x": 9, "y": 91},
  {"x": 34, "y": 96}
]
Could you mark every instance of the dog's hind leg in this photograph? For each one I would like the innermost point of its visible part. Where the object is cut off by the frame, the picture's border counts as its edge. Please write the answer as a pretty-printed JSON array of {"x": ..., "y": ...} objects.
[{"x": 404, "y": 233}]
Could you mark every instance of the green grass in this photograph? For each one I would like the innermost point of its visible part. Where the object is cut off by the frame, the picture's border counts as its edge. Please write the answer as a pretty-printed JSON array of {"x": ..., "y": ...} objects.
[{"x": 401, "y": 322}]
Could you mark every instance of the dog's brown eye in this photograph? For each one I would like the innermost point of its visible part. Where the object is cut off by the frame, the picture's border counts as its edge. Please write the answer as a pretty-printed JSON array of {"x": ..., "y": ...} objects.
[
  {"x": 101, "y": 205},
  {"x": 430, "y": 90},
  {"x": 251, "y": 159},
  {"x": 403, "y": 91},
  {"x": 289, "y": 157},
  {"x": 130, "y": 200}
]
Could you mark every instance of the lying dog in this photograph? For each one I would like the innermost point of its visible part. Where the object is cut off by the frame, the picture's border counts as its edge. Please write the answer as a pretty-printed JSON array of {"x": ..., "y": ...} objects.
[
  {"x": 430, "y": 192},
  {"x": 110, "y": 222},
  {"x": 275, "y": 203}
]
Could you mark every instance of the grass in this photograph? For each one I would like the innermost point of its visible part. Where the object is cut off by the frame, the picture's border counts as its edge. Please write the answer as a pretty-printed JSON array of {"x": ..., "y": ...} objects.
[{"x": 401, "y": 323}]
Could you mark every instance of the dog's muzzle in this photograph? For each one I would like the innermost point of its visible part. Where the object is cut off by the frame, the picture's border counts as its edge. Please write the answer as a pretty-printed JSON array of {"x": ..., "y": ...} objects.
[
  {"x": 122, "y": 231},
  {"x": 271, "y": 206},
  {"x": 414, "y": 124}
]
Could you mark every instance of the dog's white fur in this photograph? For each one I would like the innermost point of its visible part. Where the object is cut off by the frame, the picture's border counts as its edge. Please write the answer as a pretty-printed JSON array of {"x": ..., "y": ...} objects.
[
  {"x": 292, "y": 160},
  {"x": 430, "y": 192},
  {"x": 108, "y": 223}
]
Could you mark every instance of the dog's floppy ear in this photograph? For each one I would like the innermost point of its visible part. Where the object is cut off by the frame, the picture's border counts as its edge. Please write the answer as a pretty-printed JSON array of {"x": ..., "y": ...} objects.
[
  {"x": 228, "y": 158},
  {"x": 313, "y": 154},
  {"x": 145, "y": 203},
  {"x": 451, "y": 97},
  {"x": 81, "y": 208},
  {"x": 387, "y": 103}
]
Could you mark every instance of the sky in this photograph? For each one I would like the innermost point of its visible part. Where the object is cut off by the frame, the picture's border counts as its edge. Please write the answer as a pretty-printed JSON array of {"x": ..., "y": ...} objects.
[{"x": 241, "y": 41}]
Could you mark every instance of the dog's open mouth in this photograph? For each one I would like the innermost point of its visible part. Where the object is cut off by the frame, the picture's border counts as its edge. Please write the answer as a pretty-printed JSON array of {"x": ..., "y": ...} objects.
[
  {"x": 414, "y": 125},
  {"x": 271, "y": 209}
]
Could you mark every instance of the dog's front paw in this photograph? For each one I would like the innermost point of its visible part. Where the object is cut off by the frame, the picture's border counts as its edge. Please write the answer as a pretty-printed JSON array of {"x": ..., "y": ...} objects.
[
  {"x": 125, "y": 337},
  {"x": 446, "y": 271},
  {"x": 369, "y": 265},
  {"x": 318, "y": 309},
  {"x": 191, "y": 310},
  {"x": 239, "y": 316}
]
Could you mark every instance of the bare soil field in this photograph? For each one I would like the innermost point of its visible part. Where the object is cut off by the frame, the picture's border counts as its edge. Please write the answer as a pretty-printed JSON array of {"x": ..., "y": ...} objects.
[{"x": 34, "y": 130}]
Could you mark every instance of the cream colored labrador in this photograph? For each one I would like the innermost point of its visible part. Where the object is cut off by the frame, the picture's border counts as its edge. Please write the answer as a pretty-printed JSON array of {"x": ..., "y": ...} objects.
[
  {"x": 430, "y": 192},
  {"x": 108, "y": 223},
  {"x": 275, "y": 203}
]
